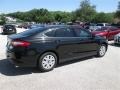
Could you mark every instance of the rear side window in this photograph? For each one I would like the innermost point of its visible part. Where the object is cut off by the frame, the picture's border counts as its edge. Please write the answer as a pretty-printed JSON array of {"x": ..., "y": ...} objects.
[
  {"x": 50, "y": 33},
  {"x": 64, "y": 32}
]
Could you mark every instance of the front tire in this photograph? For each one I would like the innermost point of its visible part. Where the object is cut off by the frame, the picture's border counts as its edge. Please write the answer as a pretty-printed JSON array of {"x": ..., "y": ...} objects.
[
  {"x": 102, "y": 50},
  {"x": 47, "y": 61}
]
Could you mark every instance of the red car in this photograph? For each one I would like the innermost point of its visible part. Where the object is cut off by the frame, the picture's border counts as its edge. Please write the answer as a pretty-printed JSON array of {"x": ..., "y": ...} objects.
[{"x": 107, "y": 32}]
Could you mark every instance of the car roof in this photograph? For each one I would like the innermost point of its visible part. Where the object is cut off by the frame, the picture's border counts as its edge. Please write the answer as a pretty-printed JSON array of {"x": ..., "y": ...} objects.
[{"x": 63, "y": 26}]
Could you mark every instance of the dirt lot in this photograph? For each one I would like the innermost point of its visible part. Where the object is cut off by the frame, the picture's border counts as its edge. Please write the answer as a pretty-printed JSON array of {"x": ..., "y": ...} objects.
[{"x": 86, "y": 74}]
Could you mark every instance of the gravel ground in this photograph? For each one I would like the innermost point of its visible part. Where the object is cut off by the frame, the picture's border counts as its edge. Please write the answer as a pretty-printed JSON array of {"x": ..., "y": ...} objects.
[{"x": 86, "y": 74}]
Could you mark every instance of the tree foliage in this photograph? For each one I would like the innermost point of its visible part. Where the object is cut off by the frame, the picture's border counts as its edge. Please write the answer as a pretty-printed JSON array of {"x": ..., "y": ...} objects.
[
  {"x": 42, "y": 16},
  {"x": 2, "y": 20},
  {"x": 62, "y": 16},
  {"x": 117, "y": 14},
  {"x": 86, "y": 13},
  {"x": 103, "y": 17}
]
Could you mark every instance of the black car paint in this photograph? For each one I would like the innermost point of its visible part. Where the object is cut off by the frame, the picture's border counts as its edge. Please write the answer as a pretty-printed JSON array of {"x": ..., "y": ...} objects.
[{"x": 66, "y": 48}]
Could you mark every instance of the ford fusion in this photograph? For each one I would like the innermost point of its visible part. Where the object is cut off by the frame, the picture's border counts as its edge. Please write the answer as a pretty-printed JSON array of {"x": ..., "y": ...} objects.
[{"x": 48, "y": 46}]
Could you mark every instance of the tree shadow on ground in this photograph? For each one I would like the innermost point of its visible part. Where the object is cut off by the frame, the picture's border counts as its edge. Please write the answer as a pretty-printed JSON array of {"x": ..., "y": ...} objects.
[{"x": 8, "y": 69}]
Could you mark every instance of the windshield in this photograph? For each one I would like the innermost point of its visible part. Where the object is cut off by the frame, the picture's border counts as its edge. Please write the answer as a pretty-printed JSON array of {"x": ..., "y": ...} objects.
[{"x": 9, "y": 27}]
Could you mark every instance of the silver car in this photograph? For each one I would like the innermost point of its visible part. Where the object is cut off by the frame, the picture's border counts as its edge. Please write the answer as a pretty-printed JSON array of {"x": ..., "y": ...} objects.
[{"x": 117, "y": 39}]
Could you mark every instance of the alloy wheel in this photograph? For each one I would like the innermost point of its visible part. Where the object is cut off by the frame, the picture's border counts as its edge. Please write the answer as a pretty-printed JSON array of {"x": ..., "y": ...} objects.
[
  {"x": 48, "y": 62},
  {"x": 102, "y": 50}
]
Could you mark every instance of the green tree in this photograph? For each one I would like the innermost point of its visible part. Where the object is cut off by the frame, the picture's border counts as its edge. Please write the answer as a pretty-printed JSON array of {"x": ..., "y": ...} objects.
[
  {"x": 62, "y": 16},
  {"x": 2, "y": 20},
  {"x": 43, "y": 16},
  {"x": 86, "y": 12},
  {"x": 103, "y": 17},
  {"x": 117, "y": 14},
  {"x": 39, "y": 16}
]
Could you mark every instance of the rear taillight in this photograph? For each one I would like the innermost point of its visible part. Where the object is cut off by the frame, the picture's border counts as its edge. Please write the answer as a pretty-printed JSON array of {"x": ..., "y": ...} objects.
[{"x": 20, "y": 43}]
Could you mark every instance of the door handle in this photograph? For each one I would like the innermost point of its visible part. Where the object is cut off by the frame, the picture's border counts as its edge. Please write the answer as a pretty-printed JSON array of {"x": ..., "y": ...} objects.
[
  {"x": 58, "y": 41},
  {"x": 81, "y": 39}
]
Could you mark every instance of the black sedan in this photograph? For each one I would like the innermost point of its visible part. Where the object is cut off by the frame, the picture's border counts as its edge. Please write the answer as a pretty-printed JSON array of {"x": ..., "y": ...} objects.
[
  {"x": 46, "y": 47},
  {"x": 8, "y": 29}
]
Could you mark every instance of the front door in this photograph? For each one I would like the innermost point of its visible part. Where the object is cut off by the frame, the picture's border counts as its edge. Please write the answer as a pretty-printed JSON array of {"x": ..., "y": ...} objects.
[
  {"x": 66, "y": 43},
  {"x": 86, "y": 43}
]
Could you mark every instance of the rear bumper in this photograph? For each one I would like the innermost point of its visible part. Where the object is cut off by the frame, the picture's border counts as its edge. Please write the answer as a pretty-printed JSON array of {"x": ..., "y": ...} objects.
[
  {"x": 5, "y": 33},
  {"x": 27, "y": 61}
]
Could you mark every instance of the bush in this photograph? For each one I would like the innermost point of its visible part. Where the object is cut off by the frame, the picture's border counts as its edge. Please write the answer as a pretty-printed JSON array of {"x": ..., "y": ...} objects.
[{"x": 2, "y": 20}]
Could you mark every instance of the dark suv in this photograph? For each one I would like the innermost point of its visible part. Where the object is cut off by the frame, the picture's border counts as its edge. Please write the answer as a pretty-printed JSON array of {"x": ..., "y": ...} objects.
[
  {"x": 8, "y": 29},
  {"x": 48, "y": 46}
]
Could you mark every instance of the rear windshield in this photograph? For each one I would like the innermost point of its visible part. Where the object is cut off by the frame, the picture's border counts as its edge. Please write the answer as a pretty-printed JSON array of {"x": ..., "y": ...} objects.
[
  {"x": 100, "y": 25},
  {"x": 9, "y": 26},
  {"x": 32, "y": 31}
]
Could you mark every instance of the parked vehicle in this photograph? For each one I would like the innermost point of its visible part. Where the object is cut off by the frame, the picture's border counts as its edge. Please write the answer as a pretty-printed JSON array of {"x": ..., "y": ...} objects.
[
  {"x": 8, "y": 29},
  {"x": 46, "y": 47},
  {"x": 103, "y": 24},
  {"x": 25, "y": 26},
  {"x": 117, "y": 39},
  {"x": 90, "y": 26},
  {"x": 116, "y": 25},
  {"x": 107, "y": 32}
]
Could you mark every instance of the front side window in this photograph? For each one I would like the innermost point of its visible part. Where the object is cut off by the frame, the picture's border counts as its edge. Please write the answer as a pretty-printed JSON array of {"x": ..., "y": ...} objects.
[{"x": 82, "y": 33}]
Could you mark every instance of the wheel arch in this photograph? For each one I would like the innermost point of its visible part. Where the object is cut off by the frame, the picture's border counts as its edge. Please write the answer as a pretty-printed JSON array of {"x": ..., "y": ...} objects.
[{"x": 105, "y": 45}]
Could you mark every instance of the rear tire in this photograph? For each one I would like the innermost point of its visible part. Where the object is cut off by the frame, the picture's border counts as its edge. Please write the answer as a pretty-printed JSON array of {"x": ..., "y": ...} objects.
[
  {"x": 102, "y": 50},
  {"x": 47, "y": 61}
]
